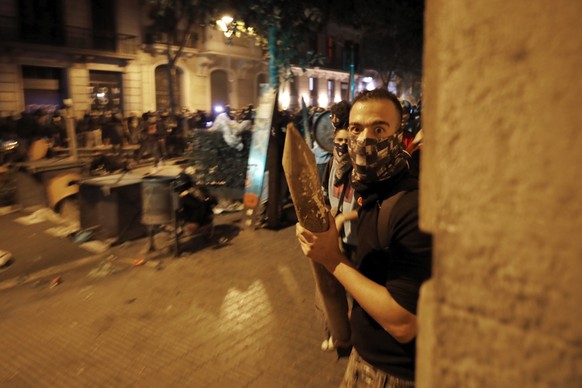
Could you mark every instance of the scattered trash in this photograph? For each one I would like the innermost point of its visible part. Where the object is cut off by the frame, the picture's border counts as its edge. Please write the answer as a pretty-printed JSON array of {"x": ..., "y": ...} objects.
[
  {"x": 95, "y": 246},
  {"x": 62, "y": 231},
  {"x": 158, "y": 265},
  {"x": 56, "y": 281},
  {"x": 228, "y": 206},
  {"x": 82, "y": 236},
  {"x": 5, "y": 258},
  {"x": 125, "y": 245},
  {"x": 104, "y": 269},
  {"x": 7, "y": 210},
  {"x": 138, "y": 262},
  {"x": 39, "y": 216}
]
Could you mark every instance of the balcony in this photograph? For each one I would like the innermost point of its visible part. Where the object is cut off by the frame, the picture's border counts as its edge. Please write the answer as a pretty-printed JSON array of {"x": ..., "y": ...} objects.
[
  {"x": 152, "y": 37},
  {"x": 68, "y": 37}
]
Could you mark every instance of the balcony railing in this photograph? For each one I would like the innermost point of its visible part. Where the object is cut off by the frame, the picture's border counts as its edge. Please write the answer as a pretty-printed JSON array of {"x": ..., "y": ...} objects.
[
  {"x": 154, "y": 37},
  {"x": 11, "y": 30}
]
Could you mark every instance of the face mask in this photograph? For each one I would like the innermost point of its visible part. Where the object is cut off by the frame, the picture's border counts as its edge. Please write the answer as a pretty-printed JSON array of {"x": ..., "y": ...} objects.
[
  {"x": 342, "y": 160},
  {"x": 375, "y": 160}
]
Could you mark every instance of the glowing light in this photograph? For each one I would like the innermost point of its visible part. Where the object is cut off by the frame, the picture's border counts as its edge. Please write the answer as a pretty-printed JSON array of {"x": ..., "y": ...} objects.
[
  {"x": 337, "y": 98},
  {"x": 285, "y": 100},
  {"x": 100, "y": 95},
  {"x": 369, "y": 83},
  {"x": 242, "y": 310},
  {"x": 224, "y": 24},
  {"x": 323, "y": 101},
  {"x": 218, "y": 108}
]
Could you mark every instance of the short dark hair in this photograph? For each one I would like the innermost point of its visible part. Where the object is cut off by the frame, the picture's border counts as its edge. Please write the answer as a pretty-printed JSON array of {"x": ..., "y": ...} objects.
[
  {"x": 380, "y": 94},
  {"x": 342, "y": 111}
]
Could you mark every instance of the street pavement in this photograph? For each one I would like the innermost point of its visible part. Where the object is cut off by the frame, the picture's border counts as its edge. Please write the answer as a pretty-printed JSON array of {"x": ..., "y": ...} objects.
[{"x": 235, "y": 311}]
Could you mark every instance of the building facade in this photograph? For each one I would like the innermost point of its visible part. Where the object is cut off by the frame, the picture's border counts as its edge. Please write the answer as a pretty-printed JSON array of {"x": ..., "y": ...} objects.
[{"x": 102, "y": 55}]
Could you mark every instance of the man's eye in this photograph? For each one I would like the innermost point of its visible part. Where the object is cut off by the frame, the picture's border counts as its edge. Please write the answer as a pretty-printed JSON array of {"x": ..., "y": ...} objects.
[
  {"x": 354, "y": 129},
  {"x": 379, "y": 130}
]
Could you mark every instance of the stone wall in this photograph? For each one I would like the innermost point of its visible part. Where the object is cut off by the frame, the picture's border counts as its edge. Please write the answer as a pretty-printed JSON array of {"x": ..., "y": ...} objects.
[{"x": 501, "y": 193}]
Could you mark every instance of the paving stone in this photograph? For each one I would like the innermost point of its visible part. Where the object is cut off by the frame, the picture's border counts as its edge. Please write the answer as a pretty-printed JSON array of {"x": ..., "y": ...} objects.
[{"x": 239, "y": 316}]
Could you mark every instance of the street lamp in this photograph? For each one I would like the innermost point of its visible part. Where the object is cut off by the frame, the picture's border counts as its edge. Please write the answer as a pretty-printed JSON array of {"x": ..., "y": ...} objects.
[{"x": 225, "y": 25}]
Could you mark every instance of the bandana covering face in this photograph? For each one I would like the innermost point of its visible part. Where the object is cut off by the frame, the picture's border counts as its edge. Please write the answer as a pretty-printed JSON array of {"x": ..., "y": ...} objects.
[
  {"x": 342, "y": 160},
  {"x": 375, "y": 160}
]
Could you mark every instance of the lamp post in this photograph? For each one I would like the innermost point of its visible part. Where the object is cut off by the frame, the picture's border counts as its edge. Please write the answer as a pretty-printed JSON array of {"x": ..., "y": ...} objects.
[
  {"x": 352, "y": 75},
  {"x": 226, "y": 26},
  {"x": 70, "y": 126}
]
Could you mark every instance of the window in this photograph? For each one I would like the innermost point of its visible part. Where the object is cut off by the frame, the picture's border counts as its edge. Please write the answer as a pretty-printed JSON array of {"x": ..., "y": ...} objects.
[
  {"x": 293, "y": 94},
  {"x": 261, "y": 80},
  {"x": 330, "y": 51},
  {"x": 312, "y": 91},
  {"x": 350, "y": 54},
  {"x": 103, "y": 19},
  {"x": 44, "y": 87},
  {"x": 163, "y": 91},
  {"x": 345, "y": 91},
  {"x": 330, "y": 91},
  {"x": 105, "y": 90},
  {"x": 41, "y": 21}
]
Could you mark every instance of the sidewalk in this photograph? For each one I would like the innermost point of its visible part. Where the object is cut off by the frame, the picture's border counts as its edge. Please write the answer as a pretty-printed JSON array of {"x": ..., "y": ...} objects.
[{"x": 235, "y": 314}]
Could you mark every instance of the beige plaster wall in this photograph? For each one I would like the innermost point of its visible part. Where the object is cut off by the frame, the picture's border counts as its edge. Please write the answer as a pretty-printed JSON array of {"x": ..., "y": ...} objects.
[
  {"x": 79, "y": 89},
  {"x": 199, "y": 92},
  {"x": 501, "y": 191},
  {"x": 10, "y": 89},
  {"x": 133, "y": 90}
]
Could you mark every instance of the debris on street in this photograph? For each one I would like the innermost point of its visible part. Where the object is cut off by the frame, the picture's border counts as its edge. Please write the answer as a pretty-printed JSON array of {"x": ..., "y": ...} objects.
[
  {"x": 56, "y": 281},
  {"x": 5, "y": 258}
]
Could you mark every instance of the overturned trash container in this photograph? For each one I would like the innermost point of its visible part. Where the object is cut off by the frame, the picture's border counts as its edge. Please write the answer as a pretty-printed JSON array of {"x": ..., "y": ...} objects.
[
  {"x": 111, "y": 207},
  {"x": 156, "y": 196},
  {"x": 158, "y": 203}
]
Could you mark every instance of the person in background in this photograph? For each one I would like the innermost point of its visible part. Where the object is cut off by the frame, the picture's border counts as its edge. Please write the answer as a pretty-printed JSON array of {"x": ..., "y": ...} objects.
[
  {"x": 322, "y": 156},
  {"x": 57, "y": 130},
  {"x": 153, "y": 142},
  {"x": 341, "y": 198},
  {"x": 133, "y": 128},
  {"x": 393, "y": 255}
]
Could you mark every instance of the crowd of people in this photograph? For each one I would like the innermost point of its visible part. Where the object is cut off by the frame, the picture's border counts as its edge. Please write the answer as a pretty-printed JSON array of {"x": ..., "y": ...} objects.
[{"x": 158, "y": 134}]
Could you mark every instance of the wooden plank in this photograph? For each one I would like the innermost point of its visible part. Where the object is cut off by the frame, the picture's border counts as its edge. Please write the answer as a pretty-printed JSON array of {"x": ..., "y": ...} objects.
[{"x": 305, "y": 188}]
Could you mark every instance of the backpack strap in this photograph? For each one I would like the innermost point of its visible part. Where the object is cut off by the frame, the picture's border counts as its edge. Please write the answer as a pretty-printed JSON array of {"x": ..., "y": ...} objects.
[{"x": 384, "y": 232}]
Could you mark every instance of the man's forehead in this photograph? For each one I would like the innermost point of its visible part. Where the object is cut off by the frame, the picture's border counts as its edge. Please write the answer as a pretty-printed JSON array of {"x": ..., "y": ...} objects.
[
  {"x": 373, "y": 110},
  {"x": 380, "y": 102}
]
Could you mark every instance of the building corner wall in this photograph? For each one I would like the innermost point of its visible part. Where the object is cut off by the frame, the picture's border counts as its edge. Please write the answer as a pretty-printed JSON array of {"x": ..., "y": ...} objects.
[{"x": 500, "y": 192}]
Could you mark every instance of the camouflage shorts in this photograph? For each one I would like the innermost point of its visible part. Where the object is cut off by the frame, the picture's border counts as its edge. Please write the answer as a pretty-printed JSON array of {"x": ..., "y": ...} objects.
[{"x": 360, "y": 373}]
